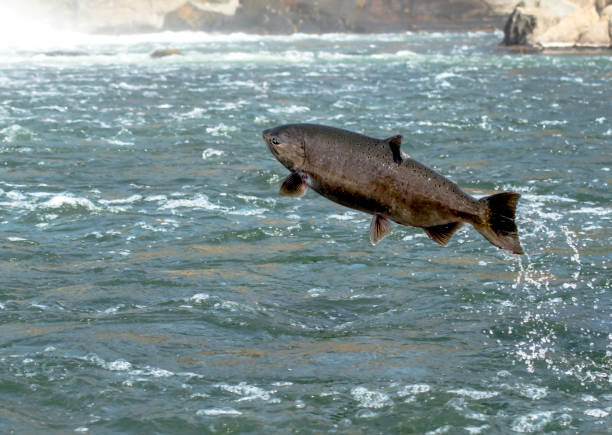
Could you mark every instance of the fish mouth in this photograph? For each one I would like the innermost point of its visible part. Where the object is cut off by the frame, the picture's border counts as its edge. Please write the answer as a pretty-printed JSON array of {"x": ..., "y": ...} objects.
[{"x": 267, "y": 136}]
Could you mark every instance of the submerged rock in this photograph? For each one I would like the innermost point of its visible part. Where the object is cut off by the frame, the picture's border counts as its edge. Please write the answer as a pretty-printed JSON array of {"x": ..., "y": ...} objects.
[
  {"x": 65, "y": 53},
  {"x": 166, "y": 52},
  {"x": 560, "y": 24}
]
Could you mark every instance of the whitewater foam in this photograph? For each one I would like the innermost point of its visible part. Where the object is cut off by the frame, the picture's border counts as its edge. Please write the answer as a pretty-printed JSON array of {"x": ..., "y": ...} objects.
[
  {"x": 370, "y": 398},
  {"x": 247, "y": 392},
  {"x": 69, "y": 200},
  {"x": 475, "y": 394},
  {"x": 214, "y": 412}
]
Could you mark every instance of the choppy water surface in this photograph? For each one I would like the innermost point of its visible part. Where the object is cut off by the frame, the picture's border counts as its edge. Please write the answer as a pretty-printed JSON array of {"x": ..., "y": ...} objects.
[{"x": 152, "y": 280}]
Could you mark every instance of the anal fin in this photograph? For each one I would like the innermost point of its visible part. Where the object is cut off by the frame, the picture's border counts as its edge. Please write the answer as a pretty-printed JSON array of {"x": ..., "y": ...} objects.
[
  {"x": 441, "y": 234},
  {"x": 294, "y": 185},
  {"x": 380, "y": 227}
]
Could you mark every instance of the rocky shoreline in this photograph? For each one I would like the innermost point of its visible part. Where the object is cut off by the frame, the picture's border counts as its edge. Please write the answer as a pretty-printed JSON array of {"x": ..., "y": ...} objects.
[
  {"x": 530, "y": 24},
  {"x": 560, "y": 24}
]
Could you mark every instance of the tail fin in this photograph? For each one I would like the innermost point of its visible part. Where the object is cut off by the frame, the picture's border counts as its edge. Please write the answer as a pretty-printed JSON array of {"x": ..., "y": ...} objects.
[{"x": 498, "y": 225}]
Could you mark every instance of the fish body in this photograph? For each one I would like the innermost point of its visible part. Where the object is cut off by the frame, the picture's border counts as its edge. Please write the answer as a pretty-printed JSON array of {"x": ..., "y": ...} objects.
[{"x": 374, "y": 176}]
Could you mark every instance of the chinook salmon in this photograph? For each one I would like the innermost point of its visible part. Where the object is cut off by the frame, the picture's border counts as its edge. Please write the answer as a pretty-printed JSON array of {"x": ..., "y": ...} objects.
[{"x": 376, "y": 177}]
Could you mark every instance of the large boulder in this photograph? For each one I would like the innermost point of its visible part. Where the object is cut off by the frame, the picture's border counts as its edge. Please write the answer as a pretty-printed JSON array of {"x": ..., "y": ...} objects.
[
  {"x": 560, "y": 23},
  {"x": 598, "y": 34}
]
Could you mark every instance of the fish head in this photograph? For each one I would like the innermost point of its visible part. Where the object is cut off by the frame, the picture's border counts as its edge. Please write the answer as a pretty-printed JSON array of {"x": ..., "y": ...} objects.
[{"x": 286, "y": 142}]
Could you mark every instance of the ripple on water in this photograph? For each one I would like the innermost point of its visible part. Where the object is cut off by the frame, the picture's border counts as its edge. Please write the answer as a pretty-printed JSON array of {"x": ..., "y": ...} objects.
[
  {"x": 535, "y": 421},
  {"x": 248, "y": 392},
  {"x": 370, "y": 398},
  {"x": 215, "y": 412}
]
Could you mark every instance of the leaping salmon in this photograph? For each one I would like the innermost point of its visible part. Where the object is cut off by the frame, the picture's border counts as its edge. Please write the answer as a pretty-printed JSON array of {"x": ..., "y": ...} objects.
[{"x": 376, "y": 177}]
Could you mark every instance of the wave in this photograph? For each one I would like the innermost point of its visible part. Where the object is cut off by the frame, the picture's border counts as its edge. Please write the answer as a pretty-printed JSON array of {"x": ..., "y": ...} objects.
[
  {"x": 50, "y": 206},
  {"x": 54, "y": 48},
  {"x": 34, "y": 37},
  {"x": 221, "y": 57}
]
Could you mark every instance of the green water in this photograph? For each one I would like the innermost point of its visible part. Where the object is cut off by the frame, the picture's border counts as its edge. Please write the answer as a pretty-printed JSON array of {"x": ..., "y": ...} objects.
[{"x": 153, "y": 280}]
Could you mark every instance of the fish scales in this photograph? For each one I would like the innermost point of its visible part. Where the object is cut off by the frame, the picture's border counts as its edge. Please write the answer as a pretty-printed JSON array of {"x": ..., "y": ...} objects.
[{"x": 353, "y": 169}]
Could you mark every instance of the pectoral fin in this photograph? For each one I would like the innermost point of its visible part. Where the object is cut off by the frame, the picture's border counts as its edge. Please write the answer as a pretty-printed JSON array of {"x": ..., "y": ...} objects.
[
  {"x": 394, "y": 143},
  {"x": 442, "y": 233},
  {"x": 380, "y": 227},
  {"x": 294, "y": 186}
]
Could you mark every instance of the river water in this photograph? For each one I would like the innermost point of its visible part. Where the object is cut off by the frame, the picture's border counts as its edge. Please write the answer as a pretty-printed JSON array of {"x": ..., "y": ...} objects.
[{"x": 153, "y": 280}]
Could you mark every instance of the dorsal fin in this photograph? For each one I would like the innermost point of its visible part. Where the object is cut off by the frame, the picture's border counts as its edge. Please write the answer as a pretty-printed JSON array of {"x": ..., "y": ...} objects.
[{"x": 394, "y": 143}]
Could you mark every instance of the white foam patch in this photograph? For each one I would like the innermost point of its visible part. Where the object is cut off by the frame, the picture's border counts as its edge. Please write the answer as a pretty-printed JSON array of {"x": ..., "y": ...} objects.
[
  {"x": 156, "y": 198},
  {"x": 18, "y": 201},
  {"x": 316, "y": 292},
  {"x": 596, "y": 413},
  {"x": 14, "y": 133},
  {"x": 152, "y": 371},
  {"x": 597, "y": 211},
  {"x": 199, "y": 298},
  {"x": 289, "y": 109},
  {"x": 532, "y": 392},
  {"x": 346, "y": 216},
  {"x": 221, "y": 130},
  {"x": 588, "y": 398},
  {"x": 248, "y": 212},
  {"x": 69, "y": 200},
  {"x": 411, "y": 390},
  {"x": 475, "y": 394},
  {"x": 195, "y": 113},
  {"x": 439, "y": 431},
  {"x": 118, "y": 365},
  {"x": 532, "y": 422},
  {"x": 400, "y": 54},
  {"x": 547, "y": 198},
  {"x": 199, "y": 201},
  {"x": 476, "y": 429},
  {"x": 118, "y": 142},
  {"x": 252, "y": 199},
  {"x": 129, "y": 200},
  {"x": 211, "y": 152},
  {"x": 214, "y": 412},
  {"x": 248, "y": 392},
  {"x": 122, "y": 365},
  {"x": 159, "y": 373},
  {"x": 370, "y": 398}
]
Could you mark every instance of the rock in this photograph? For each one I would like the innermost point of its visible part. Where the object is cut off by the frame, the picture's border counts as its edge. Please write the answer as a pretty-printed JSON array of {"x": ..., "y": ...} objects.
[
  {"x": 166, "y": 52},
  {"x": 602, "y": 4},
  {"x": 520, "y": 26},
  {"x": 65, "y": 53},
  {"x": 317, "y": 16},
  {"x": 560, "y": 24},
  {"x": 597, "y": 35},
  {"x": 568, "y": 30},
  {"x": 529, "y": 21}
]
